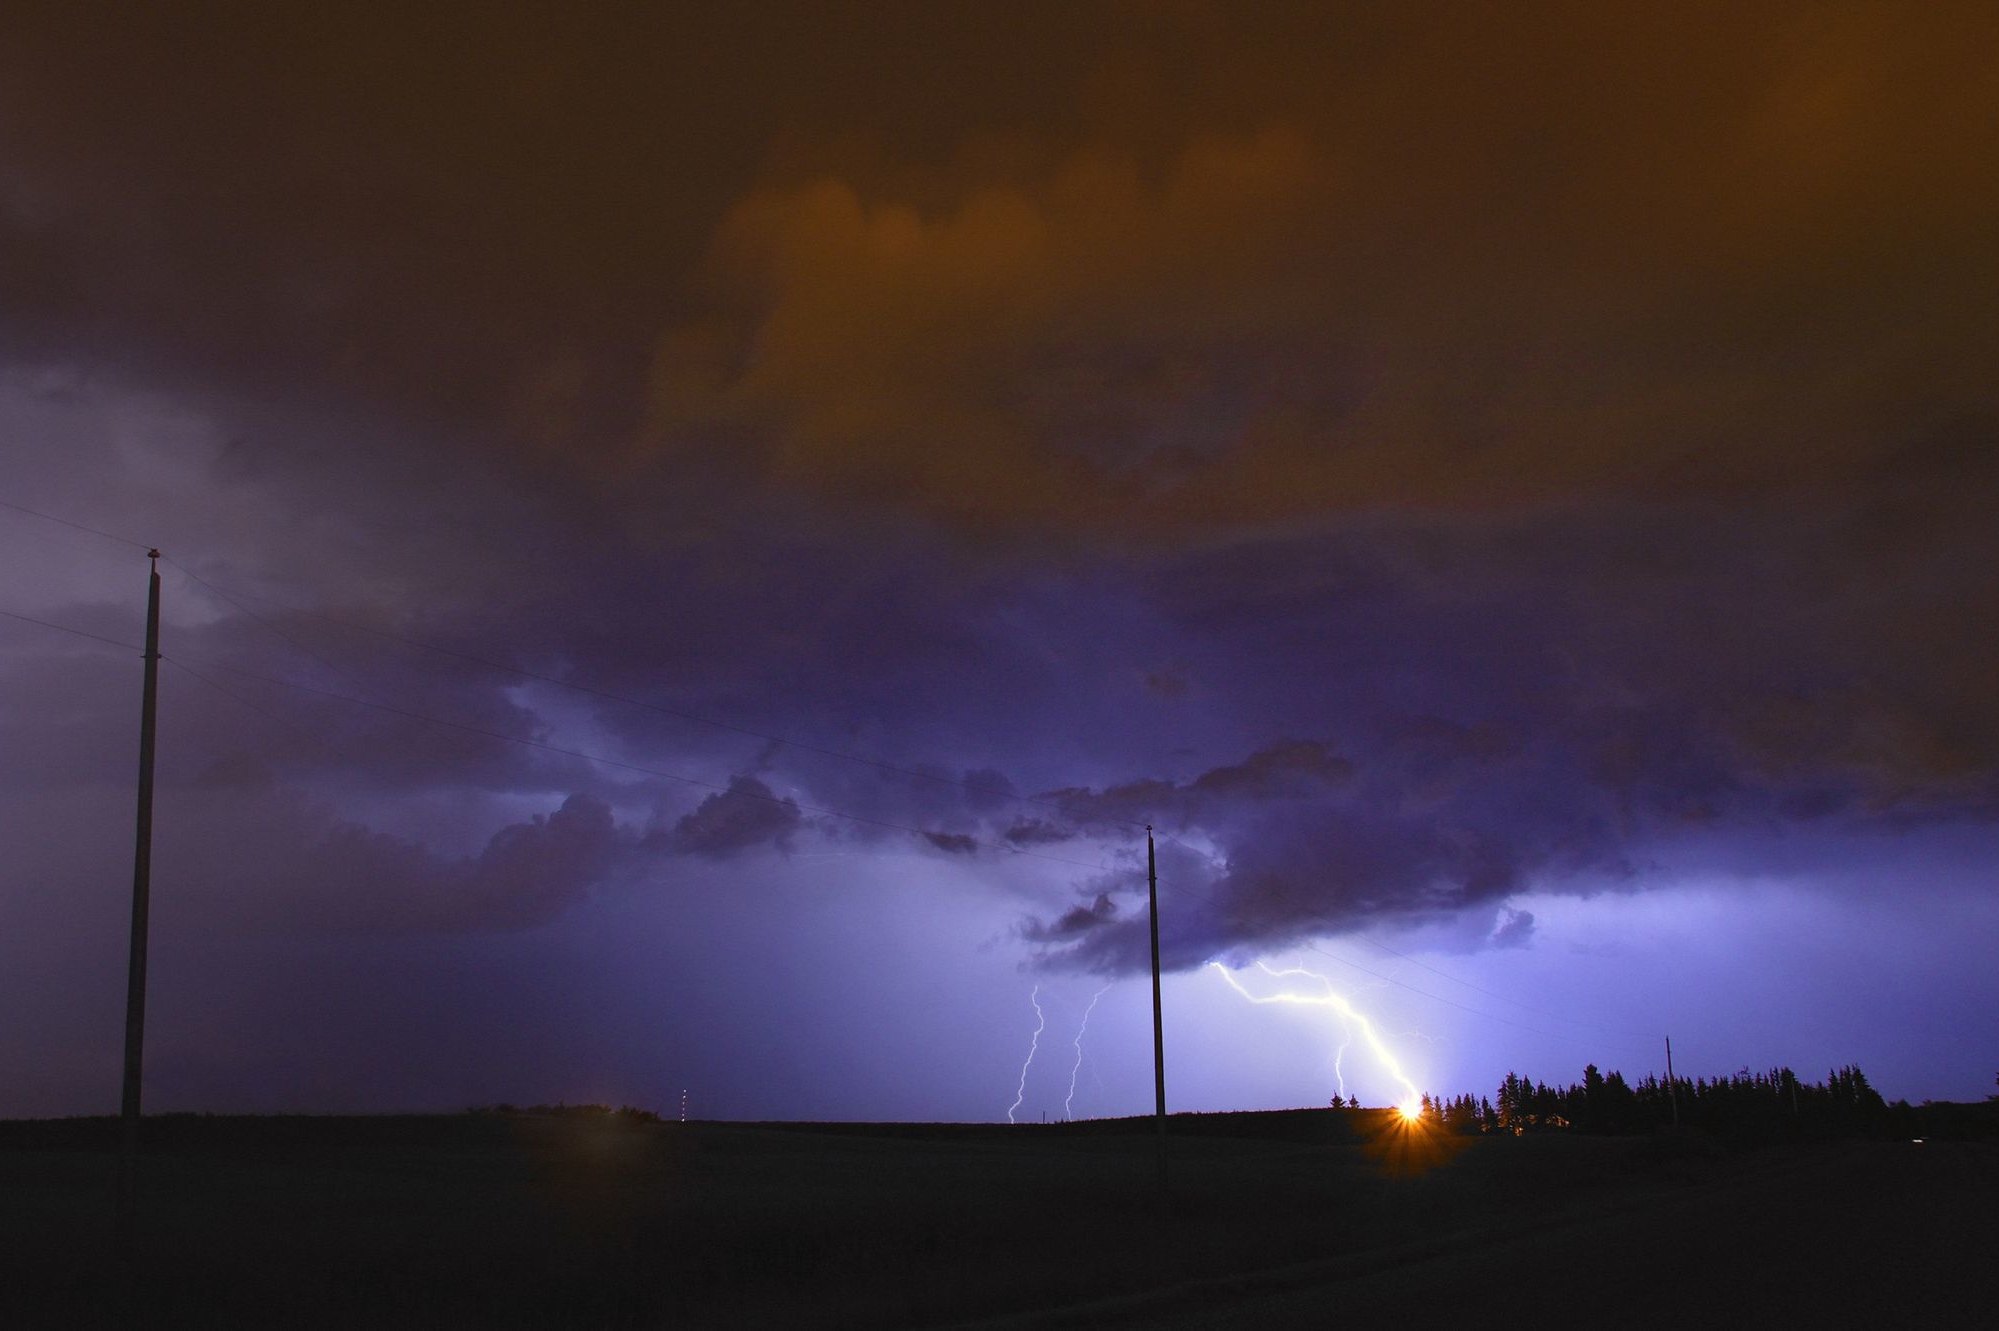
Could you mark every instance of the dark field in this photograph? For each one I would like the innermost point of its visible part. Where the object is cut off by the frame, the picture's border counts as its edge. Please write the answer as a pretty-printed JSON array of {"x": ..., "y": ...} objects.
[{"x": 1310, "y": 1218}]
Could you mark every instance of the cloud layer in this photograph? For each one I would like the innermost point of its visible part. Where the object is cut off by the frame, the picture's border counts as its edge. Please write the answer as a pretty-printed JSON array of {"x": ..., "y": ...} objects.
[{"x": 610, "y": 461}]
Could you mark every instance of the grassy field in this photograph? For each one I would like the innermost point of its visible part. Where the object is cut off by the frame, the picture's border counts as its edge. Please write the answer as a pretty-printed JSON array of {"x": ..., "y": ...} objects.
[{"x": 1308, "y": 1218}]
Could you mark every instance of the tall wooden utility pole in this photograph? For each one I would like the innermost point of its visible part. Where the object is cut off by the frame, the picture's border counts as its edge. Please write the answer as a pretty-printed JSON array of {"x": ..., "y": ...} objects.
[
  {"x": 1158, "y": 1024},
  {"x": 142, "y": 872}
]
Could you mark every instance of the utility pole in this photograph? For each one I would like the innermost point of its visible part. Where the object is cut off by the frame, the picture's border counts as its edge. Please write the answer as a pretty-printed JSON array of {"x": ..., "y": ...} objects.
[
  {"x": 142, "y": 872},
  {"x": 1158, "y": 1024},
  {"x": 1672, "y": 1087}
]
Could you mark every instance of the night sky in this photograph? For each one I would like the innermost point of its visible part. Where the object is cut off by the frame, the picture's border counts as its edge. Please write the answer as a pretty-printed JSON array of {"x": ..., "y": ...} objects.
[{"x": 697, "y": 537}]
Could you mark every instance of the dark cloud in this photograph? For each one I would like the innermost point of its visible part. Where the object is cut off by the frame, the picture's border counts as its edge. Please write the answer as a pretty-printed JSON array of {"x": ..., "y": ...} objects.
[
  {"x": 746, "y": 815},
  {"x": 1036, "y": 832},
  {"x": 460, "y": 213},
  {"x": 1073, "y": 923},
  {"x": 1581, "y": 756},
  {"x": 270, "y": 860},
  {"x": 537, "y": 866},
  {"x": 1415, "y": 458},
  {"x": 1237, "y": 325},
  {"x": 988, "y": 788},
  {"x": 1299, "y": 769},
  {"x": 1514, "y": 929},
  {"x": 1201, "y": 270},
  {"x": 1290, "y": 770},
  {"x": 1100, "y": 937}
]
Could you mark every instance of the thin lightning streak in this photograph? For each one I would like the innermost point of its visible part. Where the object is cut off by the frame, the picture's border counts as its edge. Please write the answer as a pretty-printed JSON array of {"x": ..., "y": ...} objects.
[
  {"x": 1332, "y": 999},
  {"x": 1067, "y": 1112},
  {"x": 1040, "y": 1024},
  {"x": 1346, "y": 1028}
]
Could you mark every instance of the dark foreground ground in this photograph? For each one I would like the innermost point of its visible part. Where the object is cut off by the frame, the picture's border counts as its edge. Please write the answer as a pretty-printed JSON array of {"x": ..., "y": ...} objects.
[{"x": 1271, "y": 1220}]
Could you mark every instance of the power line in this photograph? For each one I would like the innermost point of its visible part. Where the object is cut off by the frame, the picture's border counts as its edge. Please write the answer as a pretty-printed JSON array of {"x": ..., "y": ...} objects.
[
  {"x": 64, "y": 628},
  {"x": 928, "y": 834},
  {"x": 1584, "y": 1025},
  {"x": 273, "y": 629},
  {"x": 226, "y": 692},
  {"x": 1447, "y": 1002},
  {"x": 932, "y": 836},
  {"x": 881, "y": 765},
  {"x": 1403, "y": 984},
  {"x": 232, "y": 598},
  {"x": 629, "y": 701},
  {"x": 65, "y": 522}
]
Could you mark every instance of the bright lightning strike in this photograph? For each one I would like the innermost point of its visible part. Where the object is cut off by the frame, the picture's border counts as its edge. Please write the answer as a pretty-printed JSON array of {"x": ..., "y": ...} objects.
[
  {"x": 1040, "y": 1024},
  {"x": 1067, "y": 1112},
  {"x": 1332, "y": 998}
]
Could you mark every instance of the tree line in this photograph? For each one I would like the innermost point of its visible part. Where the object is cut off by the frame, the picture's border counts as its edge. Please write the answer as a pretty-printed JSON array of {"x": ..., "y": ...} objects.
[{"x": 1751, "y": 1106}]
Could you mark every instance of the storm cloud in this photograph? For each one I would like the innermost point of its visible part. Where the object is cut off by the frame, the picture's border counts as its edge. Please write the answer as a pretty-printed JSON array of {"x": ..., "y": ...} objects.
[
  {"x": 610, "y": 460},
  {"x": 745, "y": 815}
]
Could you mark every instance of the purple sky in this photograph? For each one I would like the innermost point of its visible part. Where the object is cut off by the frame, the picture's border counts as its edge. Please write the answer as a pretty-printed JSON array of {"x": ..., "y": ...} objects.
[{"x": 1507, "y": 494}]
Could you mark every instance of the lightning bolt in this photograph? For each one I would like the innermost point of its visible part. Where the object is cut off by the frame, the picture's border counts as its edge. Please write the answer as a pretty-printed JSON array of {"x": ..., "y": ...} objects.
[
  {"x": 1332, "y": 998},
  {"x": 1040, "y": 1024},
  {"x": 1067, "y": 1113}
]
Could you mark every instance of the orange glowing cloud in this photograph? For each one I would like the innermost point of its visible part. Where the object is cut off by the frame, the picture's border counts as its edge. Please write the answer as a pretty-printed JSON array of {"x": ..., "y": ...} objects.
[{"x": 1489, "y": 266}]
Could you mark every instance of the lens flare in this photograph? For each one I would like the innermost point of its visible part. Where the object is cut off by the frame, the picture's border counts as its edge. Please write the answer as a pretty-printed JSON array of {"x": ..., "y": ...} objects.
[
  {"x": 1040, "y": 1024},
  {"x": 1337, "y": 1001}
]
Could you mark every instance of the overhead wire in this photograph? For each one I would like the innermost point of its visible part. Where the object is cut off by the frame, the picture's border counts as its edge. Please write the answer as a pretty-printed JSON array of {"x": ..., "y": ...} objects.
[
  {"x": 78, "y": 526},
  {"x": 1489, "y": 993},
  {"x": 236, "y": 600},
  {"x": 232, "y": 598},
  {"x": 932, "y": 835},
  {"x": 1309, "y": 946},
  {"x": 224, "y": 690},
  {"x": 929, "y": 834},
  {"x": 1447, "y": 1002},
  {"x": 254, "y": 617},
  {"x": 661, "y": 709},
  {"x": 64, "y": 628}
]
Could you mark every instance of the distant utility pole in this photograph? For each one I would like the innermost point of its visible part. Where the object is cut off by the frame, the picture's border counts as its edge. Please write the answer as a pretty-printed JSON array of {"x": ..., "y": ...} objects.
[
  {"x": 142, "y": 872},
  {"x": 1158, "y": 1024},
  {"x": 1672, "y": 1087}
]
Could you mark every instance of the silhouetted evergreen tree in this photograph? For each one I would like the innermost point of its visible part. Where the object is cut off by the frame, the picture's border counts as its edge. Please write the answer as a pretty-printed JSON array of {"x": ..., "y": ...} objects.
[
  {"x": 1745, "y": 1106},
  {"x": 1589, "y": 1114},
  {"x": 1461, "y": 1115},
  {"x": 1618, "y": 1104},
  {"x": 1512, "y": 1104}
]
